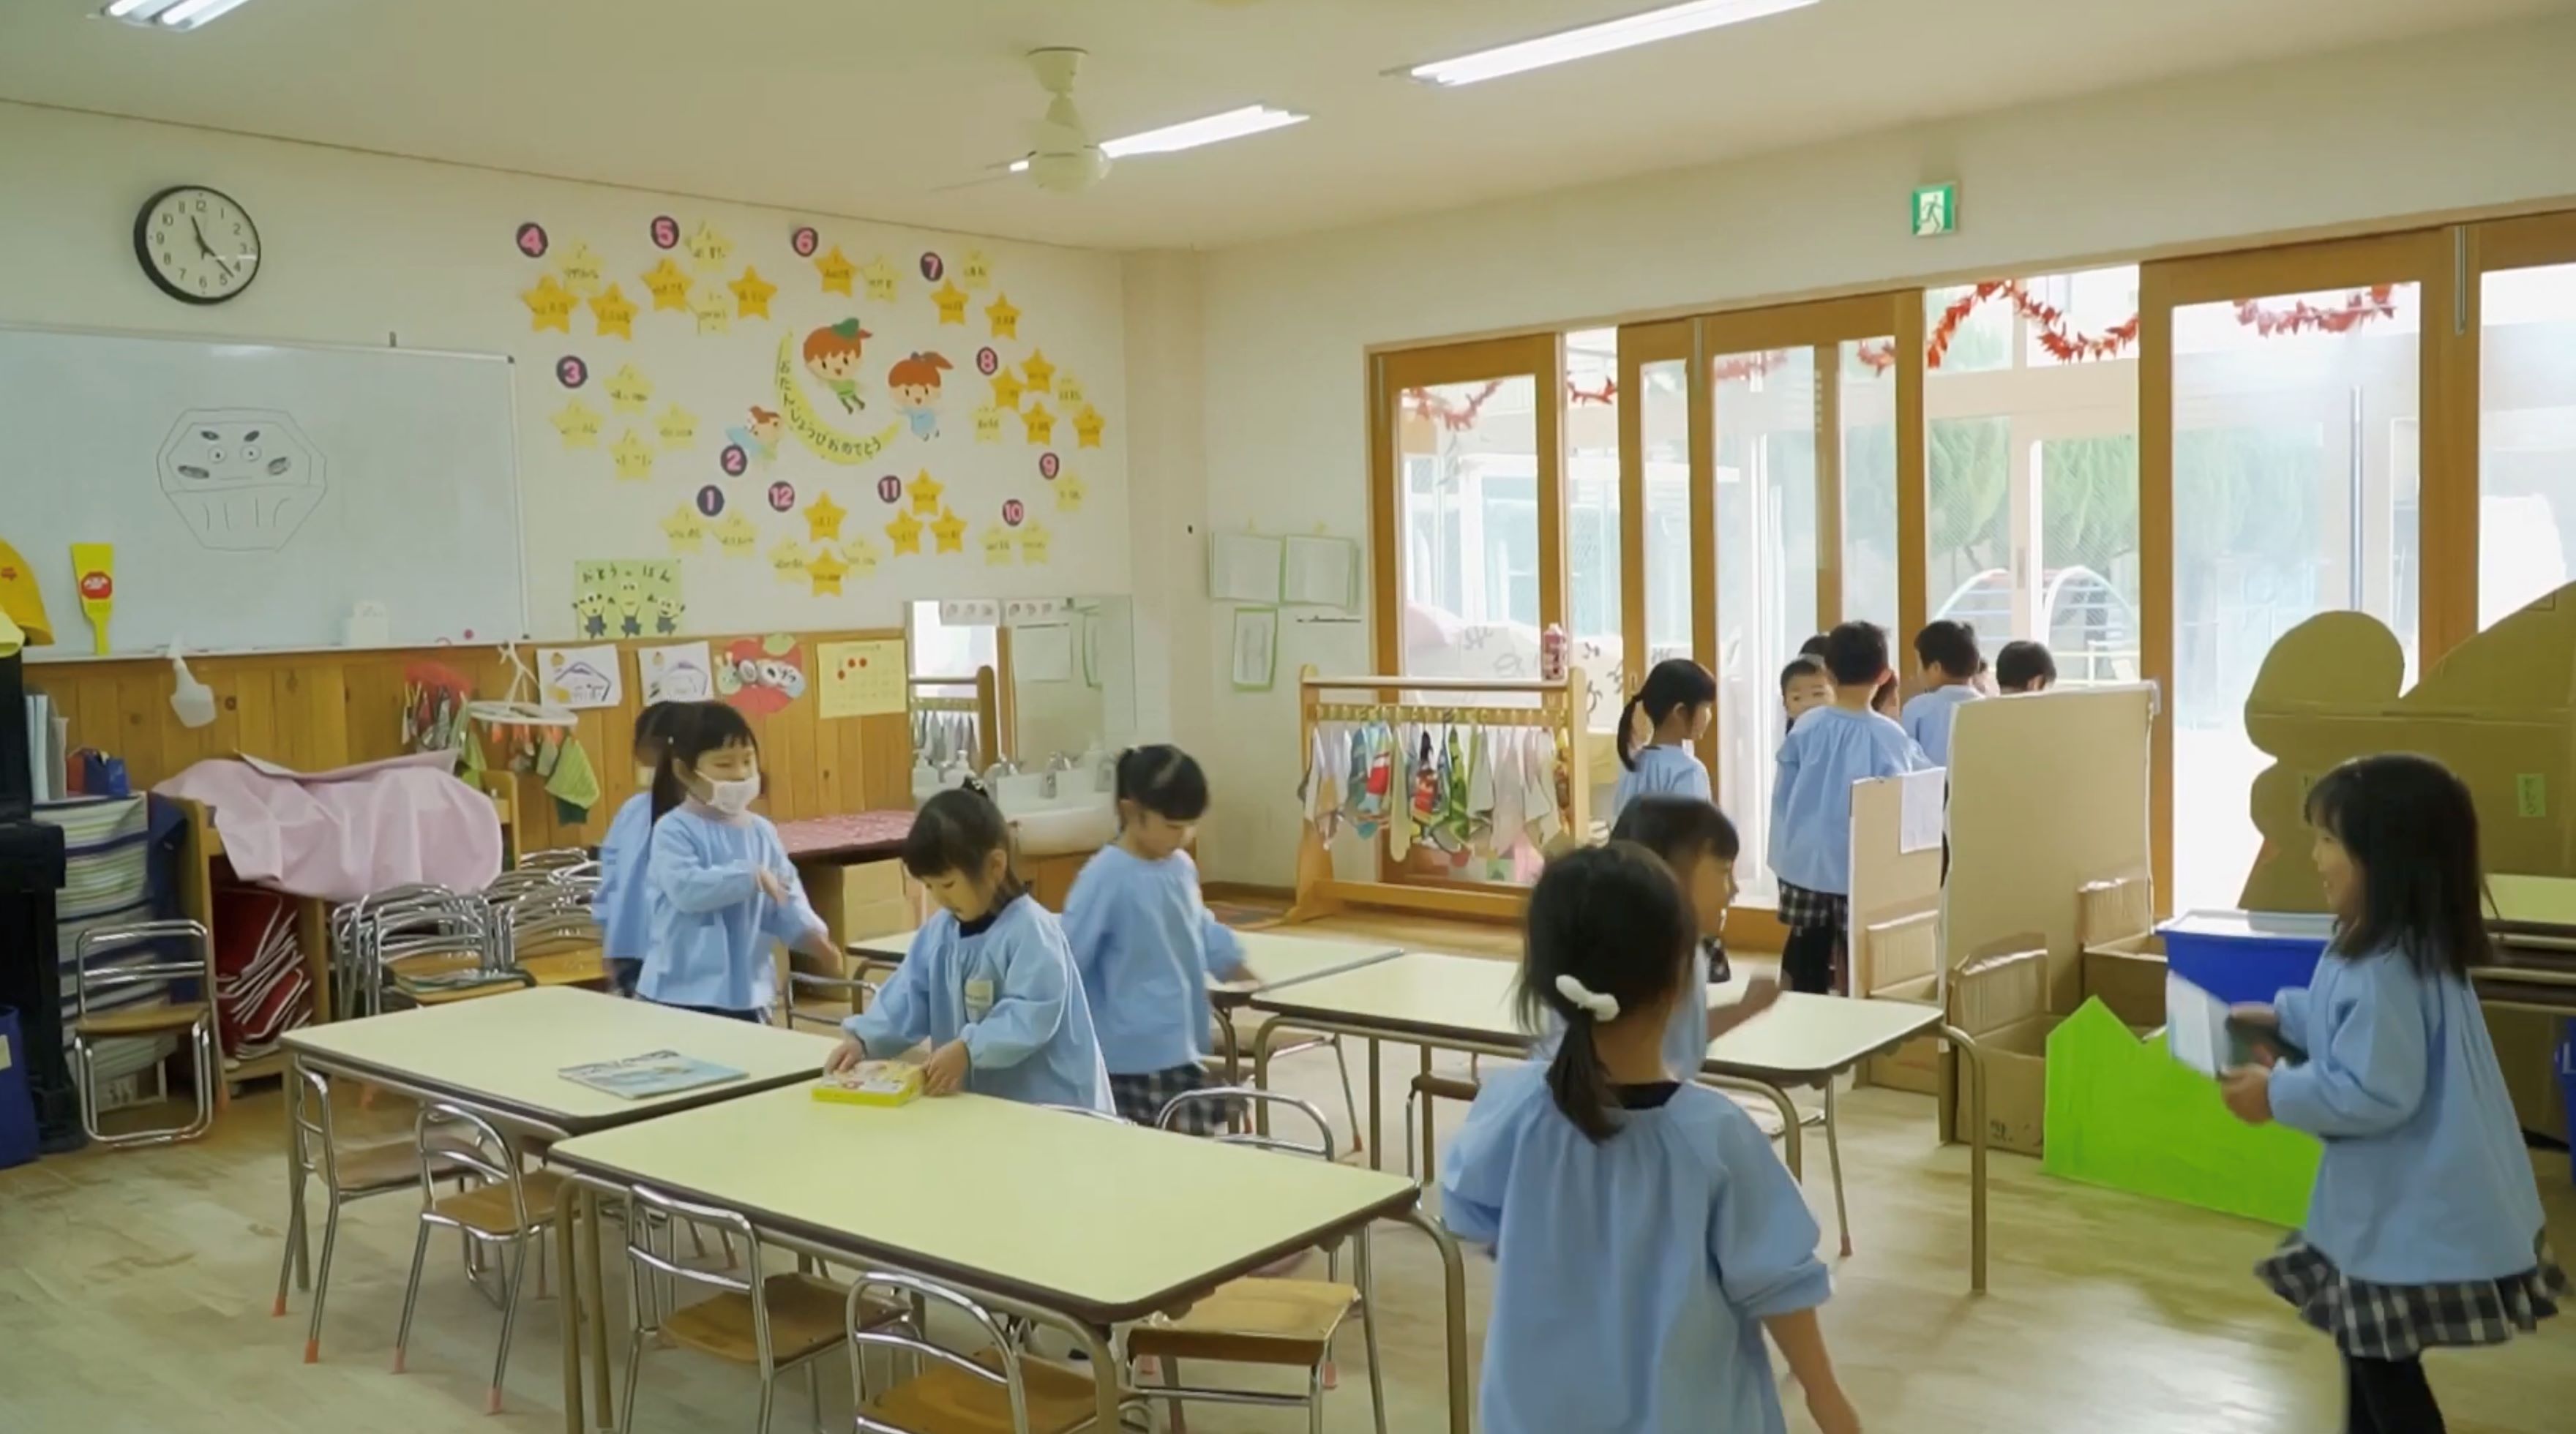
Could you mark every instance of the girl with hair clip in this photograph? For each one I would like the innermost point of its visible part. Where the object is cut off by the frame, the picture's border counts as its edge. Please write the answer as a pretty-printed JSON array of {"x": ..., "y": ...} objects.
[
  {"x": 721, "y": 885},
  {"x": 2425, "y": 1226},
  {"x": 622, "y": 905},
  {"x": 1146, "y": 945},
  {"x": 988, "y": 981},
  {"x": 1642, "y": 1230},
  {"x": 1670, "y": 711}
]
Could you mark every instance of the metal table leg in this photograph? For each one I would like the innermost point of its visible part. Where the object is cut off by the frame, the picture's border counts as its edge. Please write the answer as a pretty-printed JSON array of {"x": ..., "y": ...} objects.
[
  {"x": 1453, "y": 1298},
  {"x": 1834, "y": 1158},
  {"x": 1966, "y": 1045},
  {"x": 567, "y": 1203}
]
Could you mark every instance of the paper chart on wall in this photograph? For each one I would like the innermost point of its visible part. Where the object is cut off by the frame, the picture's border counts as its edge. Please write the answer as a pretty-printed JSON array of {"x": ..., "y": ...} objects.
[
  {"x": 678, "y": 672},
  {"x": 862, "y": 679},
  {"x": 1320, "y": 572},
  {"x": 1922, "y": 816},
  {"x": 1243, "y": 567},
  {"x": 581, "y": 677}
]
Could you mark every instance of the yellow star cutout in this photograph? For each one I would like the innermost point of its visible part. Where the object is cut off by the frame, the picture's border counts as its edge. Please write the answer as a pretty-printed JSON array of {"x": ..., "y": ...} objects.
[
  {"x": 1007, "y": 389},
  {"x": 1006, "y": 319},
  {"x": 862, "y": 556},
  {"x": 678, "y": 427},
  {"x": 752, "y": 293},
  {"x": 880, "y": 277},
  {"x": 549, "y": 306},
  {"x": 1033, "y": 544},
  {"x": 668, "y": 283},
  {"x": 686, "y": 528},
  {"x": 951, "y": 301},
  {"x": 823, "y": 519},
  {"x": 736, "y": 535},
  {"x": 827, "y": 570},
  {"x": 578, "y": 422},
  {"x": 1041, "y": 374},
  {"x": 715, "y": 316},
  {"x": 997, "y": 546},
  {"x": 1087, "y": 427},
  {"x": 1068, "y": 493},
  {"x": 634, "y": 456},
  {"x": 836, "y": 269},
  {"x": 950, "y": 530},
  {"x": 582, "y": 269},
  {"x": 905, "y": 533},
  {"x": 1041, "y": 424},
  {"x": 709, "y": 249},
  {"x": 925, "y": 493},
  {"x": 988, "y": 424},
  {"x": 977, "y": 270},
  {"x": 1068, "y": 390},
  {"x": 615, "y": 313},
  {"x": 629, "y": 389},
  {"x": 788, "y": 559}
]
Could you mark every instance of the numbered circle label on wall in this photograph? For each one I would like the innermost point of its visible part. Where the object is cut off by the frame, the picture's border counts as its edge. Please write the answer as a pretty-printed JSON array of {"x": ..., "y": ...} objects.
[
  {"x": 666, "y": 232},
  {"x": 1013, "y": 512},
  {"x": 733, "y": 460},
  {"x": 932, "y": 266},
  {"x": 1049, "y": 465},
  {"x": 711, "y": 500},
  {"x": 571, "y": 372},
  {"x": 890, "y": 489},
  {"x": 782, "y": 496},
  {"x": 805, "y": 241},
  {"x": 987, "y": 362},
  {"x": 532, "y": 240}
]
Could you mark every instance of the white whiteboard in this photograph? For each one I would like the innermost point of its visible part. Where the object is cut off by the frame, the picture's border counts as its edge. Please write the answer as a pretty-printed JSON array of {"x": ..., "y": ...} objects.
[{"x": 256, "y": 492}]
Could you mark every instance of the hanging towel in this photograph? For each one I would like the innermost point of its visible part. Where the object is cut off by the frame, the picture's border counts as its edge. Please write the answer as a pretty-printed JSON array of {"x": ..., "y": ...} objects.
[
  {"x": 1504, "y": 835},
  {"x": 1480, "y": 791},
  {"x": 572, "y": 783}
]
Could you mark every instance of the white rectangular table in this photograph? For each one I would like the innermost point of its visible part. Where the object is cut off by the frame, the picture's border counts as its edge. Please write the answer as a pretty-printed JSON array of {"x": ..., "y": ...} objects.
[{"x": 1085, "y": 1223}]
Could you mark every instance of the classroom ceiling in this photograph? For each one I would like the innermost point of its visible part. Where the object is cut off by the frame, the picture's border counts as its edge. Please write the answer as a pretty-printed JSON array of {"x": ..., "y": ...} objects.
[{"x": 870, "y": 107}]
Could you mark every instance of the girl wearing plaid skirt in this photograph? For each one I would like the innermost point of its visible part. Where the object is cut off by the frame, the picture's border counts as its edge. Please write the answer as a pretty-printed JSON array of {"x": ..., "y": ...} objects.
[{"x": 2425, "y": 1225}]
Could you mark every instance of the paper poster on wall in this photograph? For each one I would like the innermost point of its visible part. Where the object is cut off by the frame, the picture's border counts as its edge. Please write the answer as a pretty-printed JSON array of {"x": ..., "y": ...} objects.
[
  {"x": 975, "y": 271},
  {"x": 761, "y": 675},
  {"x": 578, "y": 422},
  {"x": 581, "y": 677},
  {"x": 627, "y": 597},
  {"x": 1921, "y": 820},
  {"x": 826, "y": 569},
  {"x": 950, "y": 531},
  {"x": 629, "y": 389},
  {"x": 1256, "y": 648},
  {"x": 832, "y": 354},
  {"x": 581, "y": 268},
  {"x": 1033, "y": 544},
  {"x": 686, "y": 527},
  {"x": 1042, "y": 653},
  {"x": 549, "y": 306},
  {"x": 861, "y": 679},
  {"x": 669, "y": 285},
  {"x": 880, "y": 277},
  {"x": 736, "y": 537},
  {"x": 1004, "y": 316},
  {"x": 1320, "y": 571},
  {"x": 679, "y": 672},
  {"x": 1244, "y": 567},
  {"x": 752, "y": 293},
  {"x": 708, "y": 248},
  {"x": 836, "y": 269},
  {"x": 614, "y": 313},
  {"x": 1088, "y": 426},
  {"x": 914, "y": 384},
  {"x": 634, "y": 456},
  {"x": 952, "y": 303}
]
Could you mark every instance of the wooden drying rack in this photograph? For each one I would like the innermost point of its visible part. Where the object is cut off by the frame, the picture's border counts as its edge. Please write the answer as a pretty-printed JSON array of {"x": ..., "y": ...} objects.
[
  {"x": 985, "y": 705},
  {"x": 1431, "y": 700}
]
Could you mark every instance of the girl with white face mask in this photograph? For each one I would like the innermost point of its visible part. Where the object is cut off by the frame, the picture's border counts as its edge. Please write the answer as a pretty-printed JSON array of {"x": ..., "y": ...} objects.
[{"x": 722, "y": 888}]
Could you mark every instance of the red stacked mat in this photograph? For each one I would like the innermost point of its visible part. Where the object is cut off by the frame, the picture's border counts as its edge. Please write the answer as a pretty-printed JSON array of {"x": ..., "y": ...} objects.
[{"x": 261, "y": 988}]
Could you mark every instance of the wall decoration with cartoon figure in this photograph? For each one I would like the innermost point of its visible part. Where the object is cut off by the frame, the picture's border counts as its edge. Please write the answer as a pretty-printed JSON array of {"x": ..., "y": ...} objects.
[
  {"x": 832, "y": 356},
  {"x": 914, "y": 382}
]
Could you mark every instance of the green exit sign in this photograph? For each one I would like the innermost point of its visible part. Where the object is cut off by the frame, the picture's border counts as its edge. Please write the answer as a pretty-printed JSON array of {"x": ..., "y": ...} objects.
[{"x": 1936, "y": 210}]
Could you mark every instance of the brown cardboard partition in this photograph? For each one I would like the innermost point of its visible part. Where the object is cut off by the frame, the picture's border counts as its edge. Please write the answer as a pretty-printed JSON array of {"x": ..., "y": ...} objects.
[
  {"x": 1895, "y": 928},
  {"x": 2000, "y": 998}
]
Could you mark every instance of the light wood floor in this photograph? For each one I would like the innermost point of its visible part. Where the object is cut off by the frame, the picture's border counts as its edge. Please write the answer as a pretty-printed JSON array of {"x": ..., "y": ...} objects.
[{"x": 135, "y": 1291}]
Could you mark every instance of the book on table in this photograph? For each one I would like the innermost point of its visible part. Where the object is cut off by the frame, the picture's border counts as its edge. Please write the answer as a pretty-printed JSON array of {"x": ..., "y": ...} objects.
[
  {"x": 871, "y": 1083},
  {"x": 651, "y": 1074}
]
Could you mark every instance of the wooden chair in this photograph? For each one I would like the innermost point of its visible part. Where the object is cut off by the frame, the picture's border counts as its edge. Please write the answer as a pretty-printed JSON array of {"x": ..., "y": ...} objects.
[
  {"x": 772, "y": 1322},
  {"x": 508, "y": 1212},
  {"x": 998, "y": 1390},
  {"x": 192, "y": 1019},
  {"x": 1281, "y": 1323},
  {"x": 1426, "y": 1089}
]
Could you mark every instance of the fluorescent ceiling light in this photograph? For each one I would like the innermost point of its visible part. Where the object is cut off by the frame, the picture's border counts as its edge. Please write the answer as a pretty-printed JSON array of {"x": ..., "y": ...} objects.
[
  {"x": 170, "y": 14},
  {"x": 1624, "y": 33},
  {"x": 1190, "y": 134}
]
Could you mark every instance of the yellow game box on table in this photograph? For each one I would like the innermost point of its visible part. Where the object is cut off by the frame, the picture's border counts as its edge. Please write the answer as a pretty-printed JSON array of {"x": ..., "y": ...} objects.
[{"x": 872, "y": 1083}]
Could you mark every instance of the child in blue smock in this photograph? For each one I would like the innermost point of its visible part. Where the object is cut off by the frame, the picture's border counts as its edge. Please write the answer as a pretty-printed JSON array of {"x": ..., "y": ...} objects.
[
  {"x": 622, "y": 904},
  {"x": 2424, "y": 1227},
  {"x": 1146, "y": 945},
  {"x": 1670, "y": 711},
  {"x": 1947, "y": 652},
  {"x": 722, "y": 888},
  {"x": 987, "y": 982},
  {"x": 1831, "y": 747},
  {"x": 1644, "y": 1235}
]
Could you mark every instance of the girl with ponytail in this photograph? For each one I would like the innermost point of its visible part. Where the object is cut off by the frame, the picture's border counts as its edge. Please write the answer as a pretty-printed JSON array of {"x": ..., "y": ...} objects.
[
  {"x": 1642, "y": 1228},
  {"x": 1670, "y": 711}
]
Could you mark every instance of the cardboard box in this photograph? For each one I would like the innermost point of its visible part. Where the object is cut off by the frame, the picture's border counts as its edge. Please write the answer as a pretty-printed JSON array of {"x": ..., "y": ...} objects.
[
  {"x": 1899, "y": 960},
  {"x": 1916, "y": 1065},
  {"x": 2001, "y": 1001},
  {"x": 2129, "y": 977}
]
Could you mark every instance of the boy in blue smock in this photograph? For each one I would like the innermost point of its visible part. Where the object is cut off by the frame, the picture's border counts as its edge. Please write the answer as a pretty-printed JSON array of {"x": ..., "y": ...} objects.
[
  {"x": 1830, "y": 748},
  {"x": 1147, "y": 947},
  {"x": 622, "y": 904},
  {"x": 1951, "y": 663},
  {"x": 1644, "y": 1236},
  {"x": 722, "y": 888},
  {"x": 987, "y": 982}
]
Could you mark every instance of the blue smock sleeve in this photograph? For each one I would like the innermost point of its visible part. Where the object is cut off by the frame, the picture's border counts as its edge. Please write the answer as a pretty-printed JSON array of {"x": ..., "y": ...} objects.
[
  {"x": 1761, "y": 1237},
  {"x": 683, "y": 874},
  {"x": 1026, "y": 1012},
  {"x": 1473, "y": 1176},
  {"x": 1086, "y": 922},
  {"x": 2290, "y": 1006},
  {"x": 2366, "y": 1073},
  {"x": 617, "y": 853},
  {"x": 899, "y": 1018},
  {"x": 794, "y": 920},
  {"x": 1783, "y": 782}
]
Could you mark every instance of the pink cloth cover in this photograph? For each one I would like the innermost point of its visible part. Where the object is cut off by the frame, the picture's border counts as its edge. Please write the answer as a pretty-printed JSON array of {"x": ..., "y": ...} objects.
[{"x": 341, "y": 834}]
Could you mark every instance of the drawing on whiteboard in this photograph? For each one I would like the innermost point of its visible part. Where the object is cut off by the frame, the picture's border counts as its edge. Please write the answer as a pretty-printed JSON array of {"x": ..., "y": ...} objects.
[{"x": 243, "y": 480}]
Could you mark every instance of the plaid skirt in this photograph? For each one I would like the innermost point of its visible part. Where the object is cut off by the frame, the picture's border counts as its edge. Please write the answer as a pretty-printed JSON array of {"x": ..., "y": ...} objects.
[
  {"x": 2398, "y": 1322},
  {"x": 1141, "y": 1098},
  {"x": 1804, "y": 910}
]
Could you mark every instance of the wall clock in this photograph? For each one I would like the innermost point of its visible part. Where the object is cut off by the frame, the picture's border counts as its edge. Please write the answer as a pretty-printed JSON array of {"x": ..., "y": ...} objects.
[{"x": 196, "y": 244}]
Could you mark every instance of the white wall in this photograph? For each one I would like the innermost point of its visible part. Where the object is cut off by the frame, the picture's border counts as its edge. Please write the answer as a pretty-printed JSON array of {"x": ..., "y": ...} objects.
[
  {"x": 359, "y": 247},
  {"x": 2478, "y": 118}
]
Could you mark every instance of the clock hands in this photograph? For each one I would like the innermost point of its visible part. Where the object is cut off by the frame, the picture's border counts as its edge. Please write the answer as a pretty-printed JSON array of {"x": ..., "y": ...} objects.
[{"x": 208, "y": 249}]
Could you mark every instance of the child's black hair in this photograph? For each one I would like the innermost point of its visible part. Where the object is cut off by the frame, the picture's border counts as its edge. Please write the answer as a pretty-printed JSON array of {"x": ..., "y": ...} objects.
[
  {"x": 2023, "y": 662},
  {"x": 1815, "y": 646},
  {"x": 653, "y": 724},
  {"x": 1163, "y": 780},
  {"x": 1673, "y": 682},
  {"x": 1856, "y": 654},
  {"x": 1802, "y": 665},
  {"x": 1950, "y": 645},
  {"x": 1613, "y": 918},
  {"x": 697, "y": 729},
  {"x": 2411, "y": 829},
  {"x": 1679, "y": 829},
  {"x": 959, "y": 830}
]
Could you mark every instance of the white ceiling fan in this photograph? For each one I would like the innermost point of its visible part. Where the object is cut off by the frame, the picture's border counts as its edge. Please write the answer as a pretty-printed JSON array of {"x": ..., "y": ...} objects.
[{"x": 1063, "y": 158}]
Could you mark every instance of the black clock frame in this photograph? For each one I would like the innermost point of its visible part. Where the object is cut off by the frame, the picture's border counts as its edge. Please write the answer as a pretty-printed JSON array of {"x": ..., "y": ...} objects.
[{"x": 143, "y": 246}]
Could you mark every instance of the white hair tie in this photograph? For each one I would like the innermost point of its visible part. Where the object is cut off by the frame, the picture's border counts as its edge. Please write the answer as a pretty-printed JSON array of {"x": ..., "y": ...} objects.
[{"x": 1599, "y": 1005}]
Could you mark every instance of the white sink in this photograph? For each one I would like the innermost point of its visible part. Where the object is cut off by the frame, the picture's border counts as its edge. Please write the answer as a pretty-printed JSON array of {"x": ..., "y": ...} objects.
[{"x": 1058, "y": 830}]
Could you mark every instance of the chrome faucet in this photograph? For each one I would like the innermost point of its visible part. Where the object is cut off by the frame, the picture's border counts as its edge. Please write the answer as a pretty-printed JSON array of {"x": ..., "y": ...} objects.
[{"x": 996, "y": 772}]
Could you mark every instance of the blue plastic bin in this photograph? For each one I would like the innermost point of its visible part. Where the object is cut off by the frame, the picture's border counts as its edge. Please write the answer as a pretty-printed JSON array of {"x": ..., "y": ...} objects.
[
  {"x": 2241, "y": 956},
  {"x": 17, "y": 1106}
]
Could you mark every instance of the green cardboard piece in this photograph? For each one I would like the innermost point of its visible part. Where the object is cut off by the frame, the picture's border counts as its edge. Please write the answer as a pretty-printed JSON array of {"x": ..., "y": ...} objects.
[{"x": 2124, "y": 1114}]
